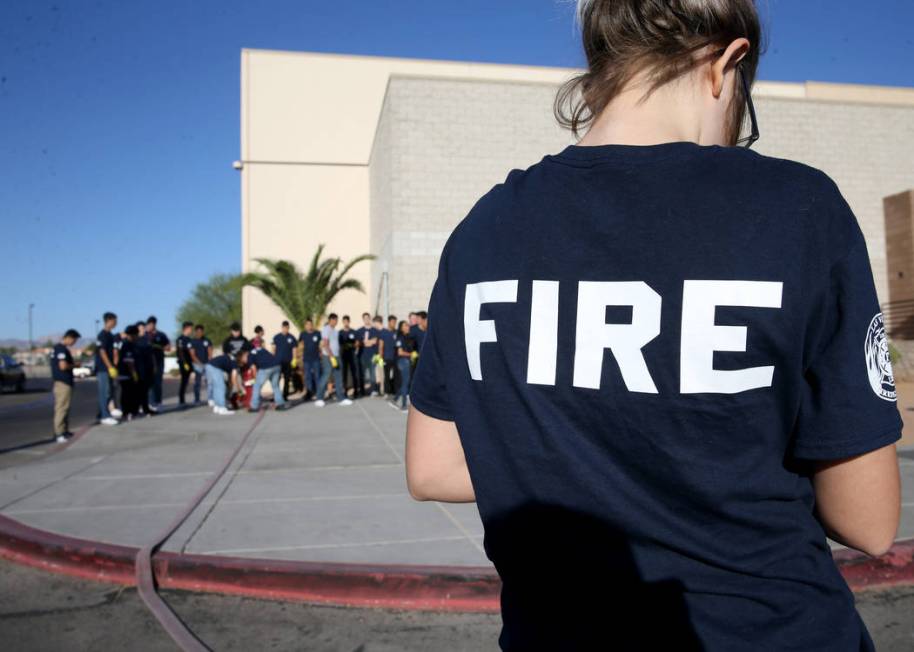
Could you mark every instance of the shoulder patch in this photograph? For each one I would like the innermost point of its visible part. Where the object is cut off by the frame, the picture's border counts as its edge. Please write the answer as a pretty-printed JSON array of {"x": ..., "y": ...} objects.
[{"x": 879, "y": 360}]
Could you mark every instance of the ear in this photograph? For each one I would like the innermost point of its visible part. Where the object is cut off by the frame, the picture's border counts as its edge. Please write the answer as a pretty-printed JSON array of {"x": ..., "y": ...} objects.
[{"x": 725, "y": 62}]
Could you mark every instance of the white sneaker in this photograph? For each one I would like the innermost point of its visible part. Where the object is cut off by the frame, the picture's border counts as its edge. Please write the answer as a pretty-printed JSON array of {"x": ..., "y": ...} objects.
[
  {"x": 319, "y": 403},
  {"x": 211, "y": 403},
  {"x": 222, "y": 410},
  {"x": 60, "y": 439},
  {"x": 109, "y": 421},
  {"x": 373, "y": 394},
  {"x": 117, "y": 414},
  {"x": 346, "y": 401}
]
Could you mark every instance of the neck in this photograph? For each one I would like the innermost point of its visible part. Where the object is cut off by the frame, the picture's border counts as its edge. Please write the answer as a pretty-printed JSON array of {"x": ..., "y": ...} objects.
[{"x": 672, "y": 113}]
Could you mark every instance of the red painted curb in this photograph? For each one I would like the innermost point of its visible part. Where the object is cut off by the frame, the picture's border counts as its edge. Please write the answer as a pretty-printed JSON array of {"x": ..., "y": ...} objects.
[{"x": 392, "y": 586}]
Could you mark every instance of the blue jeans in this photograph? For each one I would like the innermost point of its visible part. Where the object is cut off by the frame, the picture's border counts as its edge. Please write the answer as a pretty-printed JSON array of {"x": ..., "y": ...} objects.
[
  {"x": 312, "y": 375},
  {"x": 155, "y": 389},
  {"x": 263, "y": 375},
  {"x": 104, "y": 392},
  {"x": 403, "y": 391},
  {"x": 215, "y": 381},
  {"x": 368, "y": 372},
  {"x": 199, "y": 372},
  {"x": 326, "y": 370}
]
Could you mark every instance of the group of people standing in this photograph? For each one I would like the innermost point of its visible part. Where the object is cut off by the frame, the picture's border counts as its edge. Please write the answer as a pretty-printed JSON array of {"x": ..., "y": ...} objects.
[{"x": 346, "y": 363}]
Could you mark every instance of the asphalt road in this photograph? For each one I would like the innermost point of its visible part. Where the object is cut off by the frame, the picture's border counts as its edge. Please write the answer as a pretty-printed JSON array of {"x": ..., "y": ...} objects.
[{"x": 26, "y": 419}]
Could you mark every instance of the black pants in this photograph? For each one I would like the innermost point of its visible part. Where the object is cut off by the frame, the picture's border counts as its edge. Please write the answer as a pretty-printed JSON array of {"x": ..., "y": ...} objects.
[
  {"x": 142, "y": 389},
  {"x": 392, "y": 377},
  {"x": 286, "y": 371},
  {"x": 130, "y": 401},
  {"x": 350, "y": 373},
  {"x": 185, "y": 379}
]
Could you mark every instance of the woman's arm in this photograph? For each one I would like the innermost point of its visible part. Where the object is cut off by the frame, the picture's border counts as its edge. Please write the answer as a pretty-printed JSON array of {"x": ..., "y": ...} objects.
[
  {"x": 858, "y": 499},
  {"x": 436, "y": 467}
]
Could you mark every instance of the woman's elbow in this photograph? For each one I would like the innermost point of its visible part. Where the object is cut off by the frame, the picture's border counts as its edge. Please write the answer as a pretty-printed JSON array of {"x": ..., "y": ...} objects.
[{"x": 418, "y": 489}]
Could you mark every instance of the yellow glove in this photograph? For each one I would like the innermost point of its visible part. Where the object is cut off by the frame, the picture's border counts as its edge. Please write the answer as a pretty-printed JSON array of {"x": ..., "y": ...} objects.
[
  {"x": 377, "y": 360},
  {"x": 112, "y": 371},
  {"x": 294, "y": 362},
  {"x": 186, "y": 367},
  {"x": 414, "y": 356},
  {"x": 136, "y": 377},
  {"x": 334, "y": 362}
]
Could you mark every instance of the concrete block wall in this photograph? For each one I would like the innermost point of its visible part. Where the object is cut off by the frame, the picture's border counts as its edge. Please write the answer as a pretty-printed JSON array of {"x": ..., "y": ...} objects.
[{"x": 442, "y": 143}]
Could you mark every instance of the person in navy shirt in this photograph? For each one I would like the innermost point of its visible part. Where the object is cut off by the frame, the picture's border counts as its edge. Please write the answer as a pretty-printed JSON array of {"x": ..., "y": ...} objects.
[
  {"x": 145, "y": 367},
  {"x": 348, "y": 354},
  {"x": 160, "y": 346},
  {"x": 127, "y": 373},
  {"x": 184, "y": 348},
  {"x": 284, "y": 344},
  {"x": 367, "y": 337},
  {"x": 311, "y": 357},
  {"x": 202, "y": 350},
  {"x": 267, "y": 368},
  {"x": 105, "y": 370},
  {"x": 222, "y": 375},
  {"x": 656, "y": 361},
  {"x": 405, "y": 346},
  {"x": 61, "y": 363},
  {"x": 387, "y": 338}
]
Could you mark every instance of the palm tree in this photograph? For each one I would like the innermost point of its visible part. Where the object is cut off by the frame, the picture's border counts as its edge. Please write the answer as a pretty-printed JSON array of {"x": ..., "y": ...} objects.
[{"x": 304, "y": 296}]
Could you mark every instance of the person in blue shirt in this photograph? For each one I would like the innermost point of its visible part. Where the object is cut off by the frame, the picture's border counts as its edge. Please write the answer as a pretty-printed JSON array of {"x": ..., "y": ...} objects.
[
  {"x": 184, "y": 349},
  {"x": 367, "y": 336},
  {"x": 657, "y": 362},
  {"x": 127, "y": 373},
  {"x": 348, "y": 355},
  {"x": 417, "y": 331},
  {"x": 61, "y": 363},
  {"x": 387, "y": 338},
  {"x": 105, "y": 369},
  {"x": 405, "y": 346},
  {"x": 222, "y": 375},
  {"x": 145, "y": 366},
  {"x": 267, "y": 368},
  {"x": 311, "y": 357},
  {"x": 284, "y": 344},
  {"x": 160, "y": 346},
  {"x": 202, "y": 351}
]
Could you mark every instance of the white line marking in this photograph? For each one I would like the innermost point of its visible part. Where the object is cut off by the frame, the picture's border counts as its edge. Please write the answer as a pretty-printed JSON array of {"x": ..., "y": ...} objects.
[
  {"x": 189, "y": 474},
  {"x": 317, "y": 546}
]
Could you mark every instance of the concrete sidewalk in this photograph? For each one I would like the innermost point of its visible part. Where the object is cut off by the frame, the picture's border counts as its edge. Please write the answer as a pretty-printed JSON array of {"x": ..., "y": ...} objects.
[
  {"x": 316, "y": 484},
  {"x": 311, "y": 484}
]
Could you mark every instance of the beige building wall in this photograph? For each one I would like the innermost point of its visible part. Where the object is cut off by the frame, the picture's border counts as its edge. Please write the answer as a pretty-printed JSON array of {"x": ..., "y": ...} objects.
[{"x": 370, "y": 154}]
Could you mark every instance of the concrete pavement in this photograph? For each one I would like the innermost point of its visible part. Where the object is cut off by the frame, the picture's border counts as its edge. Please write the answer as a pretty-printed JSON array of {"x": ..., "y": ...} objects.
[{"x": 311, "y": 484}]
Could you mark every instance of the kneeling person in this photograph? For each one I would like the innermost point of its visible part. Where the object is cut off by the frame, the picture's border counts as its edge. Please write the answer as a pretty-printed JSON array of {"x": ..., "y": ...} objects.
[
  {"x": 216, "y": 371},
  {"x": 268, "y": 368}
]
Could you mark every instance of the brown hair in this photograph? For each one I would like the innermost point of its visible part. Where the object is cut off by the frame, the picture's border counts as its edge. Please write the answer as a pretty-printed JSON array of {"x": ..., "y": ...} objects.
[{"x": 622, "y": 37}]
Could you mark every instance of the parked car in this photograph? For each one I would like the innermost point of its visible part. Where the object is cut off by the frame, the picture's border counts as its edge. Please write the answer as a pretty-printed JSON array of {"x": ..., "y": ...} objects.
[
  {"x": 12, "y": 375},
  {"x": 82, "y": 371}
]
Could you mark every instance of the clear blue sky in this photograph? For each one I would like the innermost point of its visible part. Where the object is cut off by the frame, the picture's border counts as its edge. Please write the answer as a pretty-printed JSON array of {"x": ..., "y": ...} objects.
[{"x": 119, "y": 121}]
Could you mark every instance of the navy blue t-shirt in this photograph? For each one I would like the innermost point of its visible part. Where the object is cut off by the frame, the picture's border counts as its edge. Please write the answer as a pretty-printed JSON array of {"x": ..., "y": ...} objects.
[
  {"x": 262, "y": 358},
  {"x": 158, "y": 341},
  {"x": 224, "y": 362},
  {"x": 641, "y": 348},
  {"x": 61, "y": 354},
  {"x": 126, "y": 360},
  {"x": 183, "y": 345},
  {"x": 201, "y": 348},
  {"x": 143, "y": 357},
  {"x": 390, "y": 349},
  {"x": 104, "y": 341},
  {"x": 312, "y": 344},
  {"x": 285, "y": 346},
  {"x": 369, "y": 332}
]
